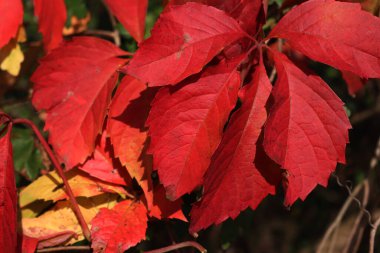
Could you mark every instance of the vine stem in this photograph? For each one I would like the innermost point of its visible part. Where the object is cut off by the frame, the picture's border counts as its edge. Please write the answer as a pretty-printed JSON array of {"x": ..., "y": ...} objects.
[
  {"x": 372, "y": 236},
  {"x": 336, "y": 223},
  {"x": 109, "y": 34},
  {"x": 116, "y": 34},
  {"x": 58, "y": 168},
  {"x": 65, "y": 248},
  {"x": 179, "y": 246}
]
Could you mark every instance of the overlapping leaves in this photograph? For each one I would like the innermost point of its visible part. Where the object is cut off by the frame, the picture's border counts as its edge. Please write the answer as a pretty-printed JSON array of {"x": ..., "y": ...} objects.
[{"x": 196, "y": 138}]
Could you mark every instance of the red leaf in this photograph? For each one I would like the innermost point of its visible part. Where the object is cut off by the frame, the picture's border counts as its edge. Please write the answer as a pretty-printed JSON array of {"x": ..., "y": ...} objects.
[
  {"x": 184, "y": 39},
  {"x": 131, "y": 14},
  {"x": 8, "y": 195},
  {"x": 55, "y": 239},
  {"x": 306, "y": 132},
  {"x": 120, "y": 228},
  {"x": 103, "y": 166},
  {"x": 10, "y": 19},
  {"x": 51, "y": 21},
  {"x": 164, "y": 208},
  {"x": 74, "y": 85},
  {"x": 244, "y": 11},
  {"x": 29, "y": 244},
  {"x": 248, "y": 15},
  {"x": 332, "y": 32},
  {"x": 354, "y": 82},
  {"x": 126, "y": 127},
  {"x": 234, "y": 182},
  {"x": 186, "y": 124}
]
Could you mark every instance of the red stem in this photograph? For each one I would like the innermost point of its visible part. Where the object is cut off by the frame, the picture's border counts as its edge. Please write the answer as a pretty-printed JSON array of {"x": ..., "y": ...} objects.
[
  {"x": 179, "y": 246},
  {"x": 58, "y": 168}
]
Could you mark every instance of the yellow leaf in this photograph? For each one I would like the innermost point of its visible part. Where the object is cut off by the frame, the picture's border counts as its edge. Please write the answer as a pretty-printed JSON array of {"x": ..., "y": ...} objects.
[
  {"x": 12, "y": 62},
  {"x": 35, "y": 208},
  {"x": 50, "y": 187},
  {"x": 62, "y": 219}
]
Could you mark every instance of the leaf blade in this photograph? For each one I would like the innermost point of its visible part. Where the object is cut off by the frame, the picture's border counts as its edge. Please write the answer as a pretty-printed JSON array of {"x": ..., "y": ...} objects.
[
  {"x": 183, "y": 40},
  {"x": 332, "y": 32},
  {"x": 75, "y": 113},
  {"x": 126, "y": 127},
  {"x": 307, "y": 130},
  {"x": 8, "y": 195},
  {"x": 120, "y": 228},
  {"x": 134, "y": 22},
  {"x": 50, "y": 187},
  {"x": 233, "y": 181},
  {"x": 11, "y": 19},
  {"x": 51, "y": 21},
  {"x": 186, "y": 124}
]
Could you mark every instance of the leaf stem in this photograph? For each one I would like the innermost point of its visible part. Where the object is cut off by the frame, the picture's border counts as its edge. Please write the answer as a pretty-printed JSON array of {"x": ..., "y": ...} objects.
[
  {"x": 104, "y": 33},
  {"x": 65, "y": 248},
  {"x": 373, "y": 236},
  {"x": 116, "y": 33},
  {"x": 179, "y": 246},
  {"x": 58, "y": 168},
  {"x": 250, "y": 37}
]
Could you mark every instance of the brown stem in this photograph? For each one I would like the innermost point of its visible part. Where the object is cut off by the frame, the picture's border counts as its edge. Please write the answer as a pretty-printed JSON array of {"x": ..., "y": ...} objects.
[
  {"x": 109, "y": 34},
  {"x": 58, "y": 168},
  {"x": 372, "y": 236},
  {"x": 65, "y": 248},
  {"x": 114, "y": 24},
  {"x": 179, "y": 246},
  {"x": 355, "y": 228},
  {"x": 336, "y": 223},
  {"x": 272, "y": 75}
]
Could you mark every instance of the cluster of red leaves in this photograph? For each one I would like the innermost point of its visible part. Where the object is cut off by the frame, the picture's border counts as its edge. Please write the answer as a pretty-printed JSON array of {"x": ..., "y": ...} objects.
[
  {"x": 52, "y": 16},
  {"x": 174, "y": 108}
]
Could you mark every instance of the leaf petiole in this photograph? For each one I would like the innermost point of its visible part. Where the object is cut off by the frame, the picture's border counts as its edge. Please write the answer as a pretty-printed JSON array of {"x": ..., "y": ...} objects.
[{"x": 58, "y": 168}]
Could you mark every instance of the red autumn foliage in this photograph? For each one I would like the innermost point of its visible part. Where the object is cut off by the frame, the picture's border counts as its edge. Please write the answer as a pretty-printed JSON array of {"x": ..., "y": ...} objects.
[
  {"x": 134, "y": 22},
  {"x": 8, "y": 193},
  {"x": 173, "y": 111},
  {"x": 10, "y": 20},
  {"x": 51, "y": 20}
]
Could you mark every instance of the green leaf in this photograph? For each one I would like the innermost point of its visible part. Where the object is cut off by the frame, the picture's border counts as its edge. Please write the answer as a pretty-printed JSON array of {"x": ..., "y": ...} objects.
[
  {"x": 27, "y": 158},
  {"x": 76, "y": 8}
]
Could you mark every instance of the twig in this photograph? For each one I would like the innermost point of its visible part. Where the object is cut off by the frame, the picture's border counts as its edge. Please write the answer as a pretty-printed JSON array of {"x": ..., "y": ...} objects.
[
  {"x": 272, "y": 75},
  {"x": 338, "y": 219},
  {"x": 358, "y": 220},
  {"x": 334, "y": 238},
  {"x": 116, "y": 33},
  {"x": 65, "y": 248},
  {"x": 109, "y": 34},
  {"x": 375, "y": 159},
  {"x": 355, "y": 199},
  {"x": 373, "y": 163},
  {"x": 365, "y": 115},
  {"x": 171, "y": 235},
  {"x": 280, "y": 44},
  {"x": 373, "y": 235},
  {"x": 70, "y": 194},
  {"x": 359, "y": 236},
  {"x": 179, "y": 246}
]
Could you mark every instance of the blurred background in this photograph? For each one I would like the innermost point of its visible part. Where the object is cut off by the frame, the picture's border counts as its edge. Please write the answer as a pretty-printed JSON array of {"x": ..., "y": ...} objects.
[{"x": 334, "y": 219}]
